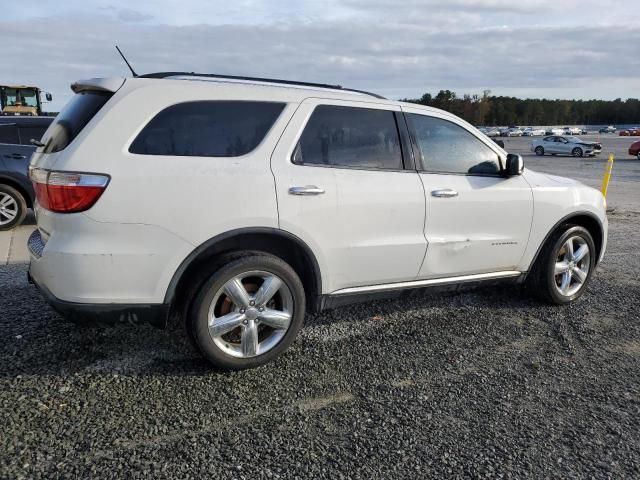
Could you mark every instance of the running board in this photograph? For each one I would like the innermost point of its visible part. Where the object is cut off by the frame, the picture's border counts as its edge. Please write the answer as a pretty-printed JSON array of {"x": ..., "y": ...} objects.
[{"x": 388, "y": 287}]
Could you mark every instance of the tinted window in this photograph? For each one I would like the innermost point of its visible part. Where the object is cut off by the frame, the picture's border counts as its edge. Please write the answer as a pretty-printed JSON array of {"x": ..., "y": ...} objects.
[
  {"x": 207, "y": 129},
  {"x": 27, "y": 133},
  {"x": 72, "y": 119},
  {"x": 350, "y": 137},
  {"x": 9, "y": 133},
  {"x": 448, "y": 148}
]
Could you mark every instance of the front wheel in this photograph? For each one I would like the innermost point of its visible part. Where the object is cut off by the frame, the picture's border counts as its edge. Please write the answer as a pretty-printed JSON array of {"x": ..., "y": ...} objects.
[
  {"x": 13, "y": 208},
  {"x": 539, "y": 151},
  {"x": 577, "y": 152},
  {"x": 565, "y": 265},
  {"x": 248, "y": 312}
]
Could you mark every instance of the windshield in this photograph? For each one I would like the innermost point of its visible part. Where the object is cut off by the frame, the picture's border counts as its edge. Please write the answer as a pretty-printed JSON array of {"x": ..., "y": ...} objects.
[
  {"x": 574, "y": 139},
  {"x": 19, "y": 97}
]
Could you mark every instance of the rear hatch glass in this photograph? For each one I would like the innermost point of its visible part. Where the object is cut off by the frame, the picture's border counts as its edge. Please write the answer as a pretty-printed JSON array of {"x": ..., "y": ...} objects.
[{"x": 72, "y": 119}]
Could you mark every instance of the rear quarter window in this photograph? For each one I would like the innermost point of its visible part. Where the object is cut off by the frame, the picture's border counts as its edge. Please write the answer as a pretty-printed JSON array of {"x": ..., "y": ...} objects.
[{"x": 207, "y": 129}]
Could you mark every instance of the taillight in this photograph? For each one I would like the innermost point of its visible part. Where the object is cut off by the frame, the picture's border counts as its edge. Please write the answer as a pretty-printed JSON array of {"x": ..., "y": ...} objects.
[{"x": 67, "y": 192}]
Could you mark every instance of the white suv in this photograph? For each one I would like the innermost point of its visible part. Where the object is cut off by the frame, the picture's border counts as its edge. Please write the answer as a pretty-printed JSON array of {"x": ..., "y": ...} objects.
[{"x": 239, "y": 204}]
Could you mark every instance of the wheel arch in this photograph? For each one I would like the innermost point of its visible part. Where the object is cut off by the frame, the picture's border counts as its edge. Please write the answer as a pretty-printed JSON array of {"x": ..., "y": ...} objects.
[
  {"x": 584, "y": 219},
  {"x": 17, "y": 186},
  {"x": 274, "y": 241}
]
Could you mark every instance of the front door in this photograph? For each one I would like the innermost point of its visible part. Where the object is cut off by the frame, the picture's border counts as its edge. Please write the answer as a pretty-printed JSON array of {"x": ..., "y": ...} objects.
[
  {"x": 477, "y": 221},
  {"x": 343, "y": 189}
]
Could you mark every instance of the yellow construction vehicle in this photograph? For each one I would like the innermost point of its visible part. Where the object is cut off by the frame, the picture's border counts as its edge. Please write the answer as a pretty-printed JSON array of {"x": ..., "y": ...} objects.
[{"x": 21, "y": 100}]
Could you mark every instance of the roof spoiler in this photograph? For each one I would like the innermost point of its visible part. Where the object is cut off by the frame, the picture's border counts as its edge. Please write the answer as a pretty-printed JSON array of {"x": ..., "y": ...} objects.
[{"x": 111, "y": 85}]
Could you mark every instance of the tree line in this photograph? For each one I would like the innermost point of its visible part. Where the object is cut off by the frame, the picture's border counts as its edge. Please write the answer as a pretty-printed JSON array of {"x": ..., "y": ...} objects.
[{"x": 486, "y": 109}]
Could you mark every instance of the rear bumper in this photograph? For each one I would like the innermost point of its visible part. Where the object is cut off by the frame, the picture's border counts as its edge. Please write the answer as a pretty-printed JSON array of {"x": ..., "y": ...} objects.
[{"x": 155, "y": 314}]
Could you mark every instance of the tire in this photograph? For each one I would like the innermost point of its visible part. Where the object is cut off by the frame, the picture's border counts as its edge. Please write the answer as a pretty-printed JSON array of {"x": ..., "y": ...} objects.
[
  {"x": 638, "y": 155},
  {"x": 546, "y": 284},
  {"x": 577, "y": 152},
  {"x": 251, "y": 334},
  {"x": 13, "y": 208},
  {"x": 539, "y": 151}
]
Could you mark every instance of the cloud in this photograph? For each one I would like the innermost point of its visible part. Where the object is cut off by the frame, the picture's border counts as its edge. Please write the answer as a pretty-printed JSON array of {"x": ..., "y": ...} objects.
[
  {"x": 128, "y": 15},
  {"x": 394, "y": 58}
]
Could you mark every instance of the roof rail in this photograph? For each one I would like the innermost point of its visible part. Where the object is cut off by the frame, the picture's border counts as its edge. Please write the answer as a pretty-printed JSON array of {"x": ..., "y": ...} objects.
[{"x": 258, "y": 79}]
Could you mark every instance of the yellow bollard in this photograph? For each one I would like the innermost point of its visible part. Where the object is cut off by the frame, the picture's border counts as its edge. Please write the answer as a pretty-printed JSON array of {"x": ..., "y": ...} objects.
[{"x": 607, "y": 176}]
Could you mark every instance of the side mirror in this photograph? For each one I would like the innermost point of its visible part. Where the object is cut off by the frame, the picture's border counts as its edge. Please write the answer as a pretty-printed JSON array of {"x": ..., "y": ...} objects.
[
  {"x": 48, "y": 96},
  {"x": 514, "y": 165}
]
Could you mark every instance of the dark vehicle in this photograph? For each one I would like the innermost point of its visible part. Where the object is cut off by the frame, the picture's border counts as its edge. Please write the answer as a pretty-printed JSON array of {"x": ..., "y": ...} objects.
[
  {"x": 634, "y": 149},
  {"x": 16, "y": 191}
]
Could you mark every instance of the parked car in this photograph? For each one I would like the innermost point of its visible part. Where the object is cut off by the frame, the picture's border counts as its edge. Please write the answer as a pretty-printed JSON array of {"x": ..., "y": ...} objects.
[
  {"x": 609, "y": 129},
  {"x": 239, "y": 205},
  {"x": 634, "y": 149},
  {"x": 565, "y": 145},
  {"x": 16, "y": 191},
  {"x": 631, "y": 132},
  {"x": 513, "y": 132},
  {"x": 492, "y": 132},
  {"x": 572, "y": 131},
  {"x": 554, "y": 131},
  {"x": 533, "y": 132}
]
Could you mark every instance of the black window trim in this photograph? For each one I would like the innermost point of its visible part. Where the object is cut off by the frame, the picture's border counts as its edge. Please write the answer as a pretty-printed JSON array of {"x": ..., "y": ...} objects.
[
  {"x": 418, "y": 153},
  {"x": 403, "y": 147},
  {"x": 164, "y": 107}
]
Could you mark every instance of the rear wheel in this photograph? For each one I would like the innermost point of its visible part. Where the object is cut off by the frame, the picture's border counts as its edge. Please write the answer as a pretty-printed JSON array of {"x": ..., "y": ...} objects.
[
  {"x": 13, "y": 208},
  {"x": 565, "y": 265},
  {"x": 539, "y": 151},
  {"x": 248, "y": 312},
  {"x": 577, "y": 152}
]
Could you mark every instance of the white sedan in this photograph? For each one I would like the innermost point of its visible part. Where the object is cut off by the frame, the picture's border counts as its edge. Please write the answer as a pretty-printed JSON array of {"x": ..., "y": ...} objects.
[
  {"x": 533, "y": 132},
  {"x": 565, "y": 145}
]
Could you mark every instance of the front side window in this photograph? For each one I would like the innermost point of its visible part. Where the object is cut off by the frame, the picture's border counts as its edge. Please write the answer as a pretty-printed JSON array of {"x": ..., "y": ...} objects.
[
  {"x": 448, "y": 148},
  {"x": 350, "y": 137},
  {"x": 9, "y": 133},
  {"x": 207, "y": 129},
  {"x": 28, "y": 133}
]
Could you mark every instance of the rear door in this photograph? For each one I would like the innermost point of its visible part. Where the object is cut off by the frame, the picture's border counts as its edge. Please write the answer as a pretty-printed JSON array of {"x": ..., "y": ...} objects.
[
  {"x": 347, "y": 189},
  {"x": 477, "y": 221},
  {"x": 562, "y": 145}
]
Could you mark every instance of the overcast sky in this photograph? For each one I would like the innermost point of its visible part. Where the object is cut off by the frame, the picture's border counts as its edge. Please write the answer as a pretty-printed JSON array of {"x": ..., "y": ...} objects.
[{"x": 552, "y": 49}]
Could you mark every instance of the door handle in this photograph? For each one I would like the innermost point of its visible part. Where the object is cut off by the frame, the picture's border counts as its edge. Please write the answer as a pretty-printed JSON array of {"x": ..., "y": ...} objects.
[
  {"x": 15, "y": 156},
  {"x": 444, "y": 193},
  {"x": 306, "y": 190}
]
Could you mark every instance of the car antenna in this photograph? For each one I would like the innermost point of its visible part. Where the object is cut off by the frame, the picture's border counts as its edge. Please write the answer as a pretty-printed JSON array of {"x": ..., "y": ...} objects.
[{"x": 133, "y": 72}]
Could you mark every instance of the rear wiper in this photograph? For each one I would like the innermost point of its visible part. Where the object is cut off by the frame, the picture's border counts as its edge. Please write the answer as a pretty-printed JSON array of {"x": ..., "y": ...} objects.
[{"x": 37, "y": 143}]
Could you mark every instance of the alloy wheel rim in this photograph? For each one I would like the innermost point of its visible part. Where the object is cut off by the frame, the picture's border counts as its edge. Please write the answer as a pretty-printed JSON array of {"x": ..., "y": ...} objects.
[
  {"x": 572, "y": 266},
  {"x": 250, "y": 314},
  {"x": 8, "y": 208}
]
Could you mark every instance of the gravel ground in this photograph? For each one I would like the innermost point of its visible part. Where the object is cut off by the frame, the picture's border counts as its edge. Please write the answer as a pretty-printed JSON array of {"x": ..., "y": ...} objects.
[{"x": 486, "y": 383}]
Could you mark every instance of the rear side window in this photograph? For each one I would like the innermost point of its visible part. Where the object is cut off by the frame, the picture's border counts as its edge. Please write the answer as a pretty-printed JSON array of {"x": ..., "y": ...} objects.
[
  {"x": 72, "y": 119},
  {"x": 207, "y": 129},
  {"x": 350, "y": 137},
  {"x": 448, "y": 148}
]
